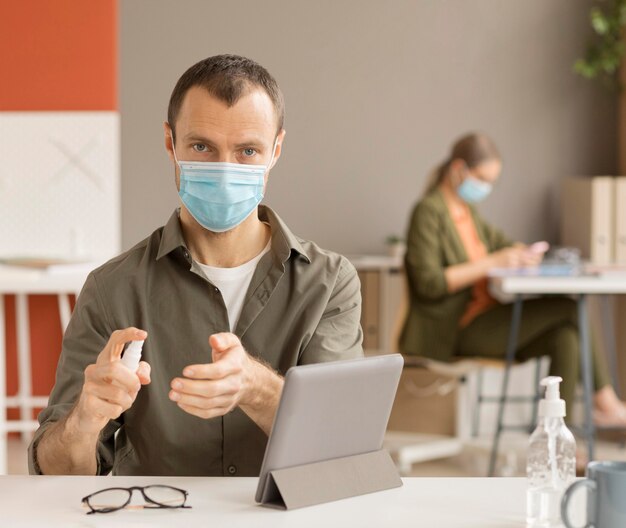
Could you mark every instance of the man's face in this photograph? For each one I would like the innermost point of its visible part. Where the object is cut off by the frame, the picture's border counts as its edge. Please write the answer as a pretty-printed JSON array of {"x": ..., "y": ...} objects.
[{"x": 208, "y": 130}]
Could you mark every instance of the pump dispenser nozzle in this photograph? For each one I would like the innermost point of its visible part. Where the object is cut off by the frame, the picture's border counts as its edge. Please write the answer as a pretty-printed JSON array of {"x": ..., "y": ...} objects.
[{"x": 552, "y": 405}]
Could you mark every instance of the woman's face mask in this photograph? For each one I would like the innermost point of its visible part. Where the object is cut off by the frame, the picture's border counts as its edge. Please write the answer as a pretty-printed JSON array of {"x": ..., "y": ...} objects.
[
  {"x": 478, "y": 182},
  {"x": 472, "y": 190}
]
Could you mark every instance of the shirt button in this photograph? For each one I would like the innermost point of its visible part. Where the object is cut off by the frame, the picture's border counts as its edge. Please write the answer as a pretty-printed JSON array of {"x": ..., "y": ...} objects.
[
  {"x": 186, "y": 253},
  {"x": 216, "y": 289},
  {"x": 232, "y": 469}
]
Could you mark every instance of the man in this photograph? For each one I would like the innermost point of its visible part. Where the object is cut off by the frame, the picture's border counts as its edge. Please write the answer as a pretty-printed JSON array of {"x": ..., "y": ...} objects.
[{"x": 224, "y": 295}]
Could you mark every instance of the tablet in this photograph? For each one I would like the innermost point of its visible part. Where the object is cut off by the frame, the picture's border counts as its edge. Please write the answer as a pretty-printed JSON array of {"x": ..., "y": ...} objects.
[{"x": 331, "y": 410}]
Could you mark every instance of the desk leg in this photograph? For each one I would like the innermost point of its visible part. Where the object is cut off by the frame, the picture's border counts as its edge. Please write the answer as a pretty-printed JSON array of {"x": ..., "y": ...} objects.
[
  {"x": 510, "y": 356},
  {"x": 608, "y": 324},
  {"x": 23, "y": 358},
  {"x": 587, "y": 373},
  {"x": 65, "y": 311},
  {"x": 3, "y": 392}
]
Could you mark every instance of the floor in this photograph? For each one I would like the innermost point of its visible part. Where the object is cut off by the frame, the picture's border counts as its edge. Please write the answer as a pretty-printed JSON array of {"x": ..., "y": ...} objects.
[{"x": 472, "y": 462}]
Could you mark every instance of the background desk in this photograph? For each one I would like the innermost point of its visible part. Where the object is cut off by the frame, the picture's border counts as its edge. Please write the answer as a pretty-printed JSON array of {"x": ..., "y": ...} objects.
[
  {"x": 229, "y": 502},
  {"x": 22, "y": 283},
  {"x": 580, "y": 286}
]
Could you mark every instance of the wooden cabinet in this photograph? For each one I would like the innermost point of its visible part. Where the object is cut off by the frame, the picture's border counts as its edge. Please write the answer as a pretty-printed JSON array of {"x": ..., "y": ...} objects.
[
  {"x": 382, "y": 293},
  {"x": 370, "y": 309}
]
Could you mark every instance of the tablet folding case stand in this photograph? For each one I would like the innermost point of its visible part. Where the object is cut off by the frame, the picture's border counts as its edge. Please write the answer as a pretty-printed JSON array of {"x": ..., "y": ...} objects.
[{"x": 330, "y": 480}]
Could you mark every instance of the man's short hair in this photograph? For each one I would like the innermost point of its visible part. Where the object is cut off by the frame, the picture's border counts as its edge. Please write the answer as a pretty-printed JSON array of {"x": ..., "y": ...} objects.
[{"x": 227, "y": 77}]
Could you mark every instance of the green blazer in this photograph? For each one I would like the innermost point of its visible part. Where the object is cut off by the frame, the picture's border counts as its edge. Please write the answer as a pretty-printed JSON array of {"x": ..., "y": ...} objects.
[{"x": 433, "y": 244}]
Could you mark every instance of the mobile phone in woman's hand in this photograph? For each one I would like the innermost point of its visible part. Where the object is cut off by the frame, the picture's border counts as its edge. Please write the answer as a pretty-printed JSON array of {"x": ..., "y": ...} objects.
[{"x": 539, "y": 248}]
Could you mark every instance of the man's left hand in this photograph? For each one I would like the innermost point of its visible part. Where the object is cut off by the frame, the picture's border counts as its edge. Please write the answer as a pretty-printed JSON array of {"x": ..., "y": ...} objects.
[{"x": 215, "y": 389}]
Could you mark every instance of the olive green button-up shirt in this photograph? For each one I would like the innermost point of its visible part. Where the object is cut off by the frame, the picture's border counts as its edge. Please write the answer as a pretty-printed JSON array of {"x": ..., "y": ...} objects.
[{"x": 302, "y": 306}]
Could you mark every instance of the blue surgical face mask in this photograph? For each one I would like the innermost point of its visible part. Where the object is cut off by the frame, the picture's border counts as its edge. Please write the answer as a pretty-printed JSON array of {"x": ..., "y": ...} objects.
[
  {"x": 473, "y": 190},
  {"x": 220, "y": 196}
]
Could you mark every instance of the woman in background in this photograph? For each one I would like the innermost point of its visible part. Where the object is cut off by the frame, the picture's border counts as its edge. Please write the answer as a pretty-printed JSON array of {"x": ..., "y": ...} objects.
[{"x": 450, "y": 251}]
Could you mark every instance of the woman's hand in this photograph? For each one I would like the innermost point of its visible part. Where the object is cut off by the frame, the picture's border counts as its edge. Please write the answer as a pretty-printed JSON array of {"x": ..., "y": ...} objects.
[
  {"x": 518, "y": 256},
  {"x": 467, "y": 274}
]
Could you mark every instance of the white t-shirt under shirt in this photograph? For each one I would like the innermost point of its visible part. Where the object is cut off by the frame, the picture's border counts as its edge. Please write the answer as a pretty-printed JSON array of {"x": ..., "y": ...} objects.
[{"x": 233, "y": 283}]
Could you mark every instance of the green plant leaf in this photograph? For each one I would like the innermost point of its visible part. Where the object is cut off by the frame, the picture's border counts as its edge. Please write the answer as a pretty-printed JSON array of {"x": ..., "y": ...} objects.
[
  {"x": 599, "y": 22},
  {"x": 604, "y": 54}
]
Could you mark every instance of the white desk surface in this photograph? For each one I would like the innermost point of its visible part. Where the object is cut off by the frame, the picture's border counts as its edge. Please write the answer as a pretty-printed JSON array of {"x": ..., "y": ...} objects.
[
  {"x": 21, "y": 280},
  {"x": 229, "y": 502},
  {"x": 375, "y": 262},
  {"x": 614, "y": 283}
]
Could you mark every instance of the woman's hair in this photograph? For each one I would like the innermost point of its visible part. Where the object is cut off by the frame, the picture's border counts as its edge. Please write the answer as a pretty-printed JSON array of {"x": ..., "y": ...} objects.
[{"x": 473, "y": 149}]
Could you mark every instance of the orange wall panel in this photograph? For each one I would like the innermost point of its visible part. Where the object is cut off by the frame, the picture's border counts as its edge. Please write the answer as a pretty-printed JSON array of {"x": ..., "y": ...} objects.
[{"x": 58, "y": 55}]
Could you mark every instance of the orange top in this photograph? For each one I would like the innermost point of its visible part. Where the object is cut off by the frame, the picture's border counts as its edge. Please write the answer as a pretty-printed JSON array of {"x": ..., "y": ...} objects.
[{"x": 475, "y": 248}]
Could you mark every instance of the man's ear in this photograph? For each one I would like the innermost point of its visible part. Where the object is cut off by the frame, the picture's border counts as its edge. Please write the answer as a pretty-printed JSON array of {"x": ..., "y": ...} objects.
[
  {"x": 167, "y": 131},
  {"x": 279, "y": 147}
]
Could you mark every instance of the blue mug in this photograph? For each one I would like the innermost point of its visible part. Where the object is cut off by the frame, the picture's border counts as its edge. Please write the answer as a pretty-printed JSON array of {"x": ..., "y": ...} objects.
[{"x": 606, "y": 496}]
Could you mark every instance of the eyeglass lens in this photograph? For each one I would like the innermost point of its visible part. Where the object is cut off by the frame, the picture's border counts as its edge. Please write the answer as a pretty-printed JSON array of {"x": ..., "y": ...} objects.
[
  {"x": 165, "y": 495},
  {"x": 109, "y": 499}
]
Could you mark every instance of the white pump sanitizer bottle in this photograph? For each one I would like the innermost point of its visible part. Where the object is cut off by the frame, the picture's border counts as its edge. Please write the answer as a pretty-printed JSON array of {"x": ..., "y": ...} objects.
[{"x": 551, "y": 463}]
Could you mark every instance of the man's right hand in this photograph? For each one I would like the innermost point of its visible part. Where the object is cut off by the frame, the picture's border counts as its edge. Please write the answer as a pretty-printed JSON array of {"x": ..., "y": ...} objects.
[{"x": 109, "y": 388}]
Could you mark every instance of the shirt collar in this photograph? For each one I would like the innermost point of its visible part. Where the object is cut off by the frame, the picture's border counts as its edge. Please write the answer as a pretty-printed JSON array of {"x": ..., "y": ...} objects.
[
  {"x": 171, "y": 236},
  {"x": 283, "y": 240}
]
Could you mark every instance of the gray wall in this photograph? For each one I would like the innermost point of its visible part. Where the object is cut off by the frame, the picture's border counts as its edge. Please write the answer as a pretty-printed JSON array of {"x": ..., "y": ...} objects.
[{"x": 376, "y": 92}]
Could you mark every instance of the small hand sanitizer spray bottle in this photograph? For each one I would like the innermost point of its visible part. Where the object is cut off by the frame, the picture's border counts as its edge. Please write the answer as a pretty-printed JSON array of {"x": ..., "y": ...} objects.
[
  {"x": 132, "y": 355},
  {"x": 551, "y": 464}
]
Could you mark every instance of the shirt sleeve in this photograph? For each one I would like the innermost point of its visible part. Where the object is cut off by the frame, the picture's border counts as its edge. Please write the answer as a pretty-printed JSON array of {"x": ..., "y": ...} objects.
[
  {"x": 86, "y": 335},
  {"x": 338, "y": 334},
  {"x": 424, "y": 260}
]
